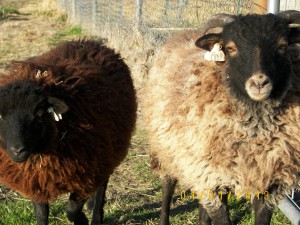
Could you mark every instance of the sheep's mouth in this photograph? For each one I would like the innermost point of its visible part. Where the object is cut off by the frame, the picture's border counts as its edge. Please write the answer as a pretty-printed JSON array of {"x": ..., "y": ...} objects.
[{"x": 257, "y": 94}]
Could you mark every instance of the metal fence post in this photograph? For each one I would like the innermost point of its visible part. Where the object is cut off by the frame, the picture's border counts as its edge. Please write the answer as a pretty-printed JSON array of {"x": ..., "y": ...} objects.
[
  {"x": 121, "y": 8},
  {"x": 73, "y": 12},
  {"x": 94, "y": 15},
  {"x": 273, "y": 6},
  {"x": 139, "y": 7}
]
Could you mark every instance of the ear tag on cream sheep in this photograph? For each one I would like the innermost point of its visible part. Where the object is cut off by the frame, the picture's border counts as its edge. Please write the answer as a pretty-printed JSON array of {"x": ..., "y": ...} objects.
[
  {"x": 216, "y": 54},
  {"x": 56, "y": 117}
]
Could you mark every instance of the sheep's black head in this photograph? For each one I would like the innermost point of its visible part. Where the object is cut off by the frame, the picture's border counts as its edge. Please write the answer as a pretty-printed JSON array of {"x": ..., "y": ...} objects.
[
  {"x": 27, "y": 119},
  {"x": 256, "y": 60}
]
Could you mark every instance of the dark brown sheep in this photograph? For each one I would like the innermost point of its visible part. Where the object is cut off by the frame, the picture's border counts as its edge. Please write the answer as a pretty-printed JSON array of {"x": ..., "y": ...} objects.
[{"x": 66, "y": 119}]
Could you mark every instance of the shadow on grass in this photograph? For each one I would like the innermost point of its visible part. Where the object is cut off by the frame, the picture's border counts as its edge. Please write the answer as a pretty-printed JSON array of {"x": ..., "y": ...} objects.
[
  {"x": 239, "y": 209},
  {"x": 16, "y": 18},
  {"x": 151, "y": 211},
  {"x": 148, "y": 212}
]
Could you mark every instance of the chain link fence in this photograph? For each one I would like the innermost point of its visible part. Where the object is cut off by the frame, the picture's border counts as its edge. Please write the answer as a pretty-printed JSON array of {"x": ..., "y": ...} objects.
[
  {"x": 156, "y": 14},
  {"x": 290, "y": 4},
  {"x": 135, "y": 28}
]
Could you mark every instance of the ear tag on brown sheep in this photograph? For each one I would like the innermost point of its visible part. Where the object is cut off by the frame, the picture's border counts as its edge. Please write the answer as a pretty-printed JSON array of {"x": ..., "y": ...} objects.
[
  {"x": 39, "y": 74},
  {"x": 56, "y": 117},
  {"x": 216, "y": 54}
]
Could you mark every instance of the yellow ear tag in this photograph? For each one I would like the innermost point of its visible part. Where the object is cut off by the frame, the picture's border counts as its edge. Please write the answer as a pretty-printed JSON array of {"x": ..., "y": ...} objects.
[{"x": 216, "y": 54}]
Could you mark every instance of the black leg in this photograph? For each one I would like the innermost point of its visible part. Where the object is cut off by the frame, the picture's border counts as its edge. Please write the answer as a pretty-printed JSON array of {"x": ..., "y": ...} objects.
[
  {"x": 204, "y": 218},
  {"x": 221, "y": 216},
  {"x": 216, "y": 211},
  {"x": 262, "y": 213},
  {"x": 99, "y": 202},
  {"x": 168, "y": 188},
  {"x": 74, "y": 210},
  {"x": 41, "y": 213}
]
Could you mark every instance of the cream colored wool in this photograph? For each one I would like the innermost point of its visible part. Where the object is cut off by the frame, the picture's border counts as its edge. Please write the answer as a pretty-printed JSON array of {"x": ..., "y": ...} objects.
[{"x": 206, "y": 138}]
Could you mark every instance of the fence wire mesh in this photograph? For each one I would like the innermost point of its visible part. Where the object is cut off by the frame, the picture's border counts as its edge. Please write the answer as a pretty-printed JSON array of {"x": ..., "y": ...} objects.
[
  {"x": 155, "y": 14},
  {"x": 92, "y": 14},
  {"x": 117, "y": 20}
]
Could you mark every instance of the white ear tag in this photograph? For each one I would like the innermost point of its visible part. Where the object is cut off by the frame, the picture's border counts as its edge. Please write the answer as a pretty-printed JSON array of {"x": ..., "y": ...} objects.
[
  {"x": 56, "y": 117},
  {"x": 216, "y": 54},
  {"x": 38, "y": 74}
]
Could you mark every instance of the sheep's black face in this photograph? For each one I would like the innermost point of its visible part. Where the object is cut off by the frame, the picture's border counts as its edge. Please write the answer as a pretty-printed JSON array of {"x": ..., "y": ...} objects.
[
  {"x": 257, "y": 64},
  {"x": 26, "y": 126}
]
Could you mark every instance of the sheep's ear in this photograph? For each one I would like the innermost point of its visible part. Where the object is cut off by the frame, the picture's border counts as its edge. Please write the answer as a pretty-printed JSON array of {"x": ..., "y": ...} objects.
[
  {"x": 207, "y": 41},
  {"x": 58, "y": 105}
]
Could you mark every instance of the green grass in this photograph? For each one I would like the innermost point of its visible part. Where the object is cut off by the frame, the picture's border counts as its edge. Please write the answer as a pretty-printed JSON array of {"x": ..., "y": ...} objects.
[
  {"x": 5, "y": 11},
  {"x": 122, "y": 209},
  {"x": 75, "y": 32},
  {"x": 23, "y": 208}
]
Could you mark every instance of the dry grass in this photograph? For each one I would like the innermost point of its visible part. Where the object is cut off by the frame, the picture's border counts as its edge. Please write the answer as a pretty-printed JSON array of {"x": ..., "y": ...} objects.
[{"x": 27, "y": 34}]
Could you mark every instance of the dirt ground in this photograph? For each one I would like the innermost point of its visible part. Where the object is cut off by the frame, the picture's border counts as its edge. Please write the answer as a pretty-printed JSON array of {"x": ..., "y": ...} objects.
[{"x": 27, "y": 34}]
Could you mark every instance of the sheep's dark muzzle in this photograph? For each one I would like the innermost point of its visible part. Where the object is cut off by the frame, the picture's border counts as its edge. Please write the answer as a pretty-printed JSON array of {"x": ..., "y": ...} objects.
[{"x": 18, "y": 154}]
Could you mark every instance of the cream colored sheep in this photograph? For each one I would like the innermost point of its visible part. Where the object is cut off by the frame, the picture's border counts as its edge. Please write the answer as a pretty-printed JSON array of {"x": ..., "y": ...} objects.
[{"x": 227, "y": 126}]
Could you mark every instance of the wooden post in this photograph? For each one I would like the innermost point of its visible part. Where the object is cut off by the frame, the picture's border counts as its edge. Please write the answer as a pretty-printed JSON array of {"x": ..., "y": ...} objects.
[{"x": 260, "y": 6}]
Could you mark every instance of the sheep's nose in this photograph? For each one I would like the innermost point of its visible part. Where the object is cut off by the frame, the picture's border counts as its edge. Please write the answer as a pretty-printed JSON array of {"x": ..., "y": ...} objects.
[
  {"x": 259, "y": 87},
  {"x": 259, "y": 80},
  {"x": 17, "y": 150}
]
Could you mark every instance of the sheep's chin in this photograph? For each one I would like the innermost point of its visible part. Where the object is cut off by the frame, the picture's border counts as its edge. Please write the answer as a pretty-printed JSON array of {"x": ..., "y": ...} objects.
[{"x": 259, "y": 97}]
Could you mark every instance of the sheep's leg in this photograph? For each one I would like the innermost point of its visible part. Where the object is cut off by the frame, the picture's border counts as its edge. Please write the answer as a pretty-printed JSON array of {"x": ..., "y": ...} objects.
[
  {"x": 74, "y": 210},
  {"x": 204, "y": 218},
  {"x": 168, "y": 188},
  {"x": 41, "y": 212},
  {"x": 220, "y": 216},
  {"x": 262, "y": 212},
  {"x": 99, "y": 202},
  {"x": 216, "y": 209}
]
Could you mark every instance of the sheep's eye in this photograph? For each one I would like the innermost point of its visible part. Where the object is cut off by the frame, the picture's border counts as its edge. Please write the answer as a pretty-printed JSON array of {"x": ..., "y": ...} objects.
[
  {"x": 282, "y": 48},
  {"x": 39, "y": 113},
  {"x": 282, "y": 45},
  {"x": 231, "y": 49}
]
